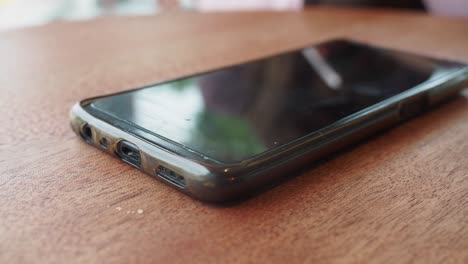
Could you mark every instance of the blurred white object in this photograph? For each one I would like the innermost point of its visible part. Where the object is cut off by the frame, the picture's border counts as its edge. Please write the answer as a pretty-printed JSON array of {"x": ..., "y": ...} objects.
[
  {"x": 243, "y": 5},
  {"x": 448, "y": 7},
  {"x": 22, "y": 13}
]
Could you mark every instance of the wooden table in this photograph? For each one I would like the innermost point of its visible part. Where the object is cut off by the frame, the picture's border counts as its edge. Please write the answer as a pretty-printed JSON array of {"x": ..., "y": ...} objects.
[{"x": 399, "y": 197}]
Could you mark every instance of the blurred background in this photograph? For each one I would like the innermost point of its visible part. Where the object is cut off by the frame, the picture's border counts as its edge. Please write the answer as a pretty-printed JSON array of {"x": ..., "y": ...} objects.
[{"x": 22, "y": 13}]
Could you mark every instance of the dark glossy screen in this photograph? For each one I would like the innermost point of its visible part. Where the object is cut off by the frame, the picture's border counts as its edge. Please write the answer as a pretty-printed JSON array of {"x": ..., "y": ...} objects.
[{"x": 238, "y": 112}]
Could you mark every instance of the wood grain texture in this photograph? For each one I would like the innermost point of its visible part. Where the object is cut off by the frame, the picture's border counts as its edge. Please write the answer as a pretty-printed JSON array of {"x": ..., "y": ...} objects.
[{"x": 399, "y": 197}]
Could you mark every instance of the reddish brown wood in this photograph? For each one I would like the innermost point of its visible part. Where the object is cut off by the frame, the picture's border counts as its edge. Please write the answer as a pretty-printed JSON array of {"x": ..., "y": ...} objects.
[{"x": 399, "y": 197}]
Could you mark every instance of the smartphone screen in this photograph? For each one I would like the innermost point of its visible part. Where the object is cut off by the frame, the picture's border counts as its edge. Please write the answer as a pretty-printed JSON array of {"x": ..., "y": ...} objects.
[{"x": 235, "y": 113}]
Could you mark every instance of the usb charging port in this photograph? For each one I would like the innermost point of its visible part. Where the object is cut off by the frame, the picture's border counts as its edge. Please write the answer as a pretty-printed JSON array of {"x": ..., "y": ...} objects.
[
  {"x": 129, "y": 153},
  {"x": 171, "y": 177}
]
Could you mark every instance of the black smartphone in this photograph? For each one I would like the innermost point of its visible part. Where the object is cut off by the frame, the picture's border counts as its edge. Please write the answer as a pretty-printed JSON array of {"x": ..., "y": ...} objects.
[{"x": 222, "y": 134}]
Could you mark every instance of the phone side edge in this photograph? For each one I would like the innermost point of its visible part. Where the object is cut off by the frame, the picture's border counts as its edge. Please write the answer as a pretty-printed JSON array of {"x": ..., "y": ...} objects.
[{"x": 200, "y": 180}]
